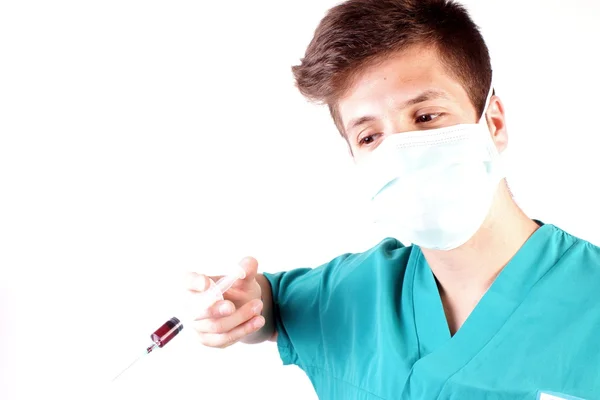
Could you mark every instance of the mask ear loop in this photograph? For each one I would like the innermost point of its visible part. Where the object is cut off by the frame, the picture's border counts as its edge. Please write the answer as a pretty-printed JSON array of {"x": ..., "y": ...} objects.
[{"x": 487, "y": 102}]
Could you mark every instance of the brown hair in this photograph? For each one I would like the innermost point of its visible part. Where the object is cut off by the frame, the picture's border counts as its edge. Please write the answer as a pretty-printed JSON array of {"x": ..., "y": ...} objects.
[{"x": 357, "y": 33}]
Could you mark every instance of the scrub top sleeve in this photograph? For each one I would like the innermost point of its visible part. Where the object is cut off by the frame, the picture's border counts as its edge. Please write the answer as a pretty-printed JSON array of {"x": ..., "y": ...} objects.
[
  {"x": 297, "y": 298},
  {"x": 279, "y": 282}
]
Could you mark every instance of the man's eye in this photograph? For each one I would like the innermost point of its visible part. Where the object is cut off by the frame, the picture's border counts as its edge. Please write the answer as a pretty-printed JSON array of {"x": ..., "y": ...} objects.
[
  {"x": 426, "y": 118},
  {"x": 366, "y": 140}
]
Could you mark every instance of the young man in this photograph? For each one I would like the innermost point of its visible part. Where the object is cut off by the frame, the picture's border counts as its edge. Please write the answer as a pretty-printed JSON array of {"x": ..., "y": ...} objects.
[{"x": 486, "y": 303}]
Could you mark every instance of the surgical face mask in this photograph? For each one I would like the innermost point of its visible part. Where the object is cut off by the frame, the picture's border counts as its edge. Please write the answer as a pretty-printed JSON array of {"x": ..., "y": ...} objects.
[{"x": 433, "y": 188}]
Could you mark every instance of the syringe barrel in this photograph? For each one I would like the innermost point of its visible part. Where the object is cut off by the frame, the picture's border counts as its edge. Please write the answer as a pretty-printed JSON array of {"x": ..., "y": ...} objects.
[
  {"x": 227, "y": 281},
  {"x": 166, "y": 332}
]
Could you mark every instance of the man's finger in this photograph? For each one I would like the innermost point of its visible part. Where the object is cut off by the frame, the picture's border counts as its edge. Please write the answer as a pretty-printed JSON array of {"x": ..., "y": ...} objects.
[
  {"x": 226, "y": 324},
  {"x": 221, "y": 308},
  {"x": 222, "y": 340},
  {"x": 197, "y": 282}
]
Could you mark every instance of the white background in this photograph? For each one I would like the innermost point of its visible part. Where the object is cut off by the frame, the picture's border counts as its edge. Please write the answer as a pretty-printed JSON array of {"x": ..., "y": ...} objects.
[{"x": 141, "y": 139}]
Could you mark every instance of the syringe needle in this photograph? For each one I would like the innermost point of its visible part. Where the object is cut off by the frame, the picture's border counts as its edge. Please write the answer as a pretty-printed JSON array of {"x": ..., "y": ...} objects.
[
  {"x": 129, "y": 366},
  {"x": 148, "y": 350}
]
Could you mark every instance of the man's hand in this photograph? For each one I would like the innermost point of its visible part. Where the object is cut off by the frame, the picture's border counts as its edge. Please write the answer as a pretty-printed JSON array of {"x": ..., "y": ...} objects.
[{"x": 228, "y": 321}]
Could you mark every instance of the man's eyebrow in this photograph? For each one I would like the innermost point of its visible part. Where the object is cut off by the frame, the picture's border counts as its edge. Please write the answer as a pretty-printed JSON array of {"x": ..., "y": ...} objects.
[
  {"x": 425, "y": 96},
  {"x": 421, "y": 98},
  {"x": 359, "y": 121}
]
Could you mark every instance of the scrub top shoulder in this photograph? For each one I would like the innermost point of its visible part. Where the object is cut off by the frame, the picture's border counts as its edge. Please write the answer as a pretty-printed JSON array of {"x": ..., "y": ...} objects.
[{"x": 372, "y": 325}]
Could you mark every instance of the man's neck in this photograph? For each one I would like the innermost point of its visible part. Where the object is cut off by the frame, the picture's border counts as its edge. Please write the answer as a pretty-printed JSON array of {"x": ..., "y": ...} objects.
[{"x": 466, "y": 273}]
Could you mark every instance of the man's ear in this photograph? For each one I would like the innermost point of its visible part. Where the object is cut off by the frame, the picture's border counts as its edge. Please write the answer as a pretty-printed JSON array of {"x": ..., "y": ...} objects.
[{"x": 496, "y": 121}]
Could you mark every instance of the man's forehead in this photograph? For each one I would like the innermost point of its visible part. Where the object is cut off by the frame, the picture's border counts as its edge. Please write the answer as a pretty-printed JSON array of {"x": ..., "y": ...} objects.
[
  {"x": 406, "y": 74},
  {"x": 403, "y": 66}
]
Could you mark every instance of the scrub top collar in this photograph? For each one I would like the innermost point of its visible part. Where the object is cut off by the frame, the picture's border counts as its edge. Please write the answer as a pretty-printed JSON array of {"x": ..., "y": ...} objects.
[{"x": 449, "y": 353}]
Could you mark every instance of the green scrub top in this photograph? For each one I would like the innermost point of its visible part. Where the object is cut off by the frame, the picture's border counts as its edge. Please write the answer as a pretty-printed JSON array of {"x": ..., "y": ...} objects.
[{"x": 372, "y": 326}]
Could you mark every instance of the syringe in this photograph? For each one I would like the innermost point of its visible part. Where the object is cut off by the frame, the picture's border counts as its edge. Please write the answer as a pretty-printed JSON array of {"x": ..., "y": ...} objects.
[{"x": 167, "y": 331}]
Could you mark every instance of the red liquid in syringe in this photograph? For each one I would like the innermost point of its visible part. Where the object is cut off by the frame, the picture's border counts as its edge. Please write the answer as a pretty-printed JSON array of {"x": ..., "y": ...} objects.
[{"x": 165, "y": 333}]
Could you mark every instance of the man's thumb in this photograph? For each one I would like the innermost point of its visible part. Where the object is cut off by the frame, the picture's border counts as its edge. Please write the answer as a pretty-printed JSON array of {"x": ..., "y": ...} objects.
[{"x": 250, "y": 267}]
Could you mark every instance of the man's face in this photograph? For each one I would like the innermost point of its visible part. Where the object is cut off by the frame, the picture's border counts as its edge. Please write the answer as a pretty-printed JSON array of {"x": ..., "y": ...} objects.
[{"x": 409, "y": 91}]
